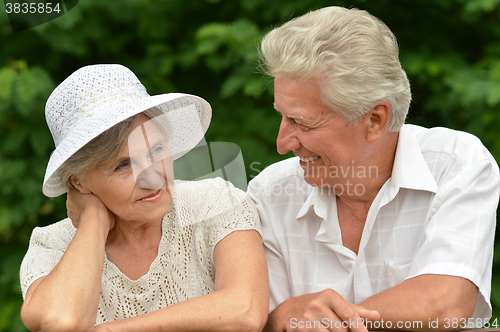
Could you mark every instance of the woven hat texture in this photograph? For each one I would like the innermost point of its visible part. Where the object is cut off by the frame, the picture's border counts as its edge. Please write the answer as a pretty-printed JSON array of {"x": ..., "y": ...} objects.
[{"x": 95, "y": 98}]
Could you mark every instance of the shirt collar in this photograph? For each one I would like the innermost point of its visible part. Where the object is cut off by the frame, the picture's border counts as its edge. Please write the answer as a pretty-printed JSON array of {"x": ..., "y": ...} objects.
[
  {"x": 318, "y": 200},
  {"x": 409, "y": 171}
]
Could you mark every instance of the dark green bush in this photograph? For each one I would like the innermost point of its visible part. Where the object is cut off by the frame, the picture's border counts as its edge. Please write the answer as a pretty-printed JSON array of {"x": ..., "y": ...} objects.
[{"x": 450, "y": 49}]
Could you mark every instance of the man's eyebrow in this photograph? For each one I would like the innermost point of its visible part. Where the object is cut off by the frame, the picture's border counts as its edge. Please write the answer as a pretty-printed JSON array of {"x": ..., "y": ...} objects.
[{"x": 298, "y": 117}]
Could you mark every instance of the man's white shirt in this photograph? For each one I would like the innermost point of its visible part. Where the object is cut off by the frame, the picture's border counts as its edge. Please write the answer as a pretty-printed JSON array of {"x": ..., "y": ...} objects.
[{"x": 435, "y": 215}]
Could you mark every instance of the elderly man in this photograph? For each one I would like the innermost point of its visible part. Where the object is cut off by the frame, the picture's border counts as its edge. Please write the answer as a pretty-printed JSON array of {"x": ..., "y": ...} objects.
[{"x": 373, "y": 221}]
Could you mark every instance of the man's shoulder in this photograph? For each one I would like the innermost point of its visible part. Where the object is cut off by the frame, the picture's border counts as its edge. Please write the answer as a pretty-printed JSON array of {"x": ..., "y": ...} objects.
[
  {"x": 282, "y": 171},
  {"x": 280, "y": 183},
  {"x": 442, "y": 138},
  {"x": 446, "y": 142}
]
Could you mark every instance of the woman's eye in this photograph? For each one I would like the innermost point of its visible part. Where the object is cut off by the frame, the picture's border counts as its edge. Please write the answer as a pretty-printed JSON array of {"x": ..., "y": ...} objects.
[
  {"x": 157, "y": 152},
  {"x": 157, "y": 149},
  {"x": 122, "y": 166}
]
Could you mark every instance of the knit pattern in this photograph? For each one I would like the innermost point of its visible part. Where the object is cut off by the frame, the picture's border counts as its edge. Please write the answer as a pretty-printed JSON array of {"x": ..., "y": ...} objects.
[{"x": 201, "y": 214}]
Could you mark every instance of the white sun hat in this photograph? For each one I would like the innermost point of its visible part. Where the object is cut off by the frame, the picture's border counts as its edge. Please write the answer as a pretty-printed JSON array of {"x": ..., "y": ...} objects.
[{"x": 95, "y": 98}]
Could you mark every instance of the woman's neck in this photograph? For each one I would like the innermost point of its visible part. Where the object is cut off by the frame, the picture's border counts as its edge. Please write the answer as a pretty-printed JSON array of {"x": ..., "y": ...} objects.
[
  {"x": 133, "y": 233},
  {"x": 132, "y": 247}
]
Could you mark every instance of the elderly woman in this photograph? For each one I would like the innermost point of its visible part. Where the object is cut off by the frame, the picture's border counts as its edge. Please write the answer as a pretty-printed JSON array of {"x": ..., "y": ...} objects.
[{"x": 139, "y": 253}]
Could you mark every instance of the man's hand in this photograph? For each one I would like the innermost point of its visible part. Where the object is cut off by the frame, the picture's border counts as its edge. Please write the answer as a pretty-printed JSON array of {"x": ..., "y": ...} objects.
[
  {"x": 323, "y": 311},
  {"x": 78, "y": 203}
]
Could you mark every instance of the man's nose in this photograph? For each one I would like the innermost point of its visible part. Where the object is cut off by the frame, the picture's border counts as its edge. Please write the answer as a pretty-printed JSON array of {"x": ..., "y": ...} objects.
[
  {"x": 149, "y": 178},
  {"x": 287, "y": 140}
]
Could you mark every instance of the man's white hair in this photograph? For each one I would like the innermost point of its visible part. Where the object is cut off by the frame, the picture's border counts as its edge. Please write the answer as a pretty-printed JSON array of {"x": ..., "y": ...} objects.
[{"x": 353, "y": 56}]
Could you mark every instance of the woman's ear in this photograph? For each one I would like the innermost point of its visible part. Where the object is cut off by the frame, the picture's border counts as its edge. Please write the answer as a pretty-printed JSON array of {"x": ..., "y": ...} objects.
[{"x": 77, "y": 184}]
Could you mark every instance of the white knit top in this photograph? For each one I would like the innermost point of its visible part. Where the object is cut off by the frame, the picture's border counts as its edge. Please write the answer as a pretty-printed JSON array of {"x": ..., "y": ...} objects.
[{"x": 201, "y": 214}]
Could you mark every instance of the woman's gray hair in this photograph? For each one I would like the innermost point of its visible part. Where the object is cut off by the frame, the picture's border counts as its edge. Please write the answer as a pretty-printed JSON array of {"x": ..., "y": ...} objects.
[
  {"x": 106, "y": 147},
  {"x": 353, "y": 56}
]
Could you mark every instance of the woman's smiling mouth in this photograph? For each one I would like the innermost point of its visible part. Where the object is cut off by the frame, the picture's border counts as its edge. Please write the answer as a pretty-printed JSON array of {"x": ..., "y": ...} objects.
[{"x": 154, "y": 197}]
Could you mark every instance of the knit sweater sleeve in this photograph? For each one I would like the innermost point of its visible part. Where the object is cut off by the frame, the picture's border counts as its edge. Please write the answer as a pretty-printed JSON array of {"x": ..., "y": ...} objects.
[
  {"x": 236, "y": 212},
  {"x": 46, "y": 248},
  {"x": 219, "y": 209}
]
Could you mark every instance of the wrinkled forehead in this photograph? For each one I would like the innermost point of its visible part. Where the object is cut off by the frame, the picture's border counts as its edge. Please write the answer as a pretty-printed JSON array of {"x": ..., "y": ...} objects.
[{"x": 147, "y": 132}]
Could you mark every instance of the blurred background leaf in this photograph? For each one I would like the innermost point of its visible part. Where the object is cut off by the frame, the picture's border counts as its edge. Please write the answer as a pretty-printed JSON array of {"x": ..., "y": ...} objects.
[{"x": 449, "y": 48}]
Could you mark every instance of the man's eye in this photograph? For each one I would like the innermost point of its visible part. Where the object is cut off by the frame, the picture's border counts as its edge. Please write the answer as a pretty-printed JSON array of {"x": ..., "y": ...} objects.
[{"x": 303, "y": 127}]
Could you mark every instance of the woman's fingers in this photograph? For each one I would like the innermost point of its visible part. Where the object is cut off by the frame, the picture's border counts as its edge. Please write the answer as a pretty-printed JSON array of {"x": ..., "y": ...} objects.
[{"x": 77, "y": 203}]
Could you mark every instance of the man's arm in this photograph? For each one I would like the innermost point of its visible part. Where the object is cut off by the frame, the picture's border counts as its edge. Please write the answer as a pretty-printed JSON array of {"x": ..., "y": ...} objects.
[
  {"x": 421, "y": 303},
  {"x": 448, "y": 301}
]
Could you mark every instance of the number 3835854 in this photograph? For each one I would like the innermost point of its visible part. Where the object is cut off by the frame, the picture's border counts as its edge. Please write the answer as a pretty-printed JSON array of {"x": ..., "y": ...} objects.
[{"x": 32, "y": 8}]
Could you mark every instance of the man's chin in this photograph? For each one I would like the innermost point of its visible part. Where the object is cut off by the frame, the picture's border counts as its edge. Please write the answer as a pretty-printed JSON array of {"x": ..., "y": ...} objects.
[{"x": 314, "y": 181}]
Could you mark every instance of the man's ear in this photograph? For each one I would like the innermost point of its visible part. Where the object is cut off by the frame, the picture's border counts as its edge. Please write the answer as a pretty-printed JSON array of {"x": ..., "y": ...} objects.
[
  {"x": 77, "y": 184},
  {"x": 377, "y": 120}
]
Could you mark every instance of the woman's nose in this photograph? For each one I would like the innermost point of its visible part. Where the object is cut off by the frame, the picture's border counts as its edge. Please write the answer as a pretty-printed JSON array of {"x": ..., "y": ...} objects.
[
  {"x": 287, "y": 140},
  {"x": 149, "y": 178}
]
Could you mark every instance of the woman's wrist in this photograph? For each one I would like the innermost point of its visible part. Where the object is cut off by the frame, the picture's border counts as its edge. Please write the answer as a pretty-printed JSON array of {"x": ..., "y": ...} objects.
[{"x": 98, "y": 220}]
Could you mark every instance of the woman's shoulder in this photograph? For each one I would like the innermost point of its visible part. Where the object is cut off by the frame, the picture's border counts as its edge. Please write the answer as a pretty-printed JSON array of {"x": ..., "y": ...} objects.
[
  {"x": 209, "y": 197},
  {"x": 205, "y": 183},
  {"x": 57, "y": 234},
  {"x": 215, "y": 208},
  {"x": 214, "y": 187}
]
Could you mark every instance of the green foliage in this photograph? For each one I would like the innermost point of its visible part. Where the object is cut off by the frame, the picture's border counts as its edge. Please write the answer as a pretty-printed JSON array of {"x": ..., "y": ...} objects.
[
  {"x": 26, "y": 142},
  {"x": 10, "y": 258},
  {"x": 449, "y": 48}
]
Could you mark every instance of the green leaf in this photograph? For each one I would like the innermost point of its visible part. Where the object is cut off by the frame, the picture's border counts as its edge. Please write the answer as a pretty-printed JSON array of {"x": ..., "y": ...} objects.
[
  {"x": 7, "y": 76},
  {"x": 493, "y": 97}
]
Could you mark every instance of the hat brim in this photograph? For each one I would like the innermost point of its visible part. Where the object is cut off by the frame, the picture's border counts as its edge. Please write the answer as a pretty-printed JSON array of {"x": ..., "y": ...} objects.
[{"x": 189, "y": 116}]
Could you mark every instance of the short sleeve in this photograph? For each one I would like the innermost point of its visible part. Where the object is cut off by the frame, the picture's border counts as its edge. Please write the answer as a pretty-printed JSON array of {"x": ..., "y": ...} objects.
[
  {"x": 46, "y": 248},
  {"x": 215, "y": 208},
  {"x": 278, "y": 274},
  {"x": 232, "y": 211},
  {"x": 460, "y": 232}
]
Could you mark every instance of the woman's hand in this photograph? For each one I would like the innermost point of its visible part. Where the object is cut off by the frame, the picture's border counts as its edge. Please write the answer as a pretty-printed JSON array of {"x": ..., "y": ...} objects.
[{"x": 78, "y": 203}]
